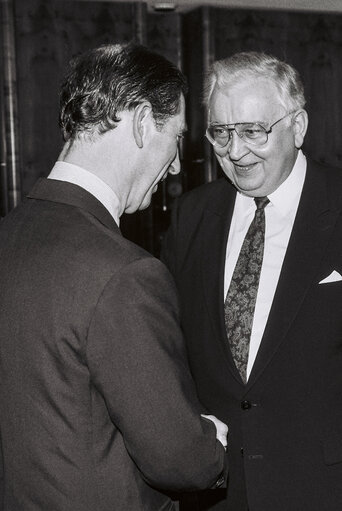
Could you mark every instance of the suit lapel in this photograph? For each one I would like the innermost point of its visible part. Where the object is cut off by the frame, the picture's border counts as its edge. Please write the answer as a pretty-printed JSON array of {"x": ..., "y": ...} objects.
[
  {"x": 216, "y": 224},
  {"x": 72, "y": 195},
  {"x": 312, "y": 229}
]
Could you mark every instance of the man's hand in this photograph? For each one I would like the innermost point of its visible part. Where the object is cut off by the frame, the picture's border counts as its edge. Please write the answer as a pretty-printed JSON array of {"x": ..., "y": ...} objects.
[{"x": 221, "y": 429}]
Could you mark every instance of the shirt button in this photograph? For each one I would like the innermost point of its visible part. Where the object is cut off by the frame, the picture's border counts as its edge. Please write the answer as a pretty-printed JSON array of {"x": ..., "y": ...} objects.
[{"x": 246, "y": 405}]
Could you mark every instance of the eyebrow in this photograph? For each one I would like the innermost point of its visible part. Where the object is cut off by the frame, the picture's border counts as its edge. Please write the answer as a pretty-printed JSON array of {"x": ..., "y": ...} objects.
[{"x": 214, "y": 123}]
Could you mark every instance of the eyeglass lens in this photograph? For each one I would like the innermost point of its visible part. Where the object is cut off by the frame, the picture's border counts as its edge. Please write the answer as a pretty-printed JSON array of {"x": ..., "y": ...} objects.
[{"x": 251, "y": 133}]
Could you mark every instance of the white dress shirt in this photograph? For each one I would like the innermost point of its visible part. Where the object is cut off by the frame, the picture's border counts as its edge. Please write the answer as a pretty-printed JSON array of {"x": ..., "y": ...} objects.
[
  {"x": 279, "y": 216},
  {"x": 76, "y": 175}
]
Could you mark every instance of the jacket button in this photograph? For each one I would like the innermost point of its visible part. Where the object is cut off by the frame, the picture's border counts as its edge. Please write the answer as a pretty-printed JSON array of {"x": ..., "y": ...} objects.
[
  {"x": 241, "y": 452},
  {"x": 219, "y": 482},
  {"x": 246, "y": 405}
]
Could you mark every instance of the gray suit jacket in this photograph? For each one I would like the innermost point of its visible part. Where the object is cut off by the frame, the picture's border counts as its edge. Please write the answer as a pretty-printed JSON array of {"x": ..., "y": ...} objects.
[{"x": 97, "y": 407}]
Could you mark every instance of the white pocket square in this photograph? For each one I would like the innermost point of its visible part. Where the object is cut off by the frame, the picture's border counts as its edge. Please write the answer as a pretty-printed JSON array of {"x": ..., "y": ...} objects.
[{"x": 333, "y": 277}]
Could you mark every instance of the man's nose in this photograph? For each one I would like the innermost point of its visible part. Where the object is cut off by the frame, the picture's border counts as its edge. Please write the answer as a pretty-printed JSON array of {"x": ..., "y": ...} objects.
[
  {"x": 175, "y": 166},
  {"x": 237, "y": 148}
]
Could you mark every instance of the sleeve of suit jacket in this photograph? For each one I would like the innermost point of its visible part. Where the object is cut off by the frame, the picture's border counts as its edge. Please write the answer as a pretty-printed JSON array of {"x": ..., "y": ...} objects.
[
  {"x": 137, "y": 360},
  {"x": 1, "y": 477}
]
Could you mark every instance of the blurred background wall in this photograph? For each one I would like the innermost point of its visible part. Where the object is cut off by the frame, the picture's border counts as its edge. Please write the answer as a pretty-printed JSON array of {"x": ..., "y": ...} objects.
[{"x": 38, "y": 38}]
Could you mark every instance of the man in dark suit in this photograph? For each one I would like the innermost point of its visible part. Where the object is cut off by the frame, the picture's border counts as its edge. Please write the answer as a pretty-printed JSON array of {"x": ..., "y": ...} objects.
[
  {"x": 257, "y": 261},
  {"x": 98, "y": 411}
]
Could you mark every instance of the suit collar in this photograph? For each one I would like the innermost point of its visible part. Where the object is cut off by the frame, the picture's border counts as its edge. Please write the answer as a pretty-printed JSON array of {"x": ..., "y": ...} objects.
[
  {"x": 72, "y": 195},
  {"x": 285, "y": 198},
  {"x": 314, "y": 223},
  {"x": 216, "y": 224},
  {"x": 70, "y": 173},
  {"x": 316, "y": 216}
]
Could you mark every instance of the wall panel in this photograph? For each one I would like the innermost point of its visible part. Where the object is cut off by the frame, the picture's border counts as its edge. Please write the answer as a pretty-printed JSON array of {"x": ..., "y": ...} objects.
[{"x": 48, "y": 34}]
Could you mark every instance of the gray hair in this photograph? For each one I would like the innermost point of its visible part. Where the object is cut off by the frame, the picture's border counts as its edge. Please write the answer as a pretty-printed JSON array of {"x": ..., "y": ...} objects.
[{"x": 251, "y": 65}]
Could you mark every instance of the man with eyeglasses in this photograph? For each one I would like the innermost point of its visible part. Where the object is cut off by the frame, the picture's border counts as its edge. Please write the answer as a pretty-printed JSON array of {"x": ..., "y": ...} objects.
[{"x": 257, "y": 261}]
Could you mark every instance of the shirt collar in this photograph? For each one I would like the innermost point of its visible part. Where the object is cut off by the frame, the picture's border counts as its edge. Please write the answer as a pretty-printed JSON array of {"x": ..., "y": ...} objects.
[
  {"x": 286, "y": 197},
  {"x": 76, "y": 175}
]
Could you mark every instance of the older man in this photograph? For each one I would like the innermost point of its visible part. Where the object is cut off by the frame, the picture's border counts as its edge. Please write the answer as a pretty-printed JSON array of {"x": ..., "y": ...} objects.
[
  {"x": 257, "y": 260},
  {"x": 98, "y": 411}
]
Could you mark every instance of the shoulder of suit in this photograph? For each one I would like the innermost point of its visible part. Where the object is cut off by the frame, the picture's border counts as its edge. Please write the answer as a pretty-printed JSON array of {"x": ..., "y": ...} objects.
[
  {"x": 331, "y": 177},
  {"x": 330, "y": 171},
  {"x": 90, "y": 241}
]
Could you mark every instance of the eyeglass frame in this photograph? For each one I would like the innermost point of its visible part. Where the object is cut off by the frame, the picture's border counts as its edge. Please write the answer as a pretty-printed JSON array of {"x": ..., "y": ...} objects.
[{"x": 231, "y": 127}]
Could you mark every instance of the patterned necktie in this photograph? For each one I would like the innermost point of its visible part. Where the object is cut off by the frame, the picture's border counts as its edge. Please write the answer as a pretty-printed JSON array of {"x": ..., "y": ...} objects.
[{"x": 241, "y": 297}]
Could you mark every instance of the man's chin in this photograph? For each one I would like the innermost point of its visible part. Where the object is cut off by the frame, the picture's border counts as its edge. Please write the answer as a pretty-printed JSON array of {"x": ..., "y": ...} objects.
[
  {"x": 145, "y": 203},
  {"x": 139, "y": 207}
]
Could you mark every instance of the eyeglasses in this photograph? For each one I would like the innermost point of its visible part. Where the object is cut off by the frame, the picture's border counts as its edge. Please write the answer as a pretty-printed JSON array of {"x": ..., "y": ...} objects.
[{"x": 250, "y": 132}]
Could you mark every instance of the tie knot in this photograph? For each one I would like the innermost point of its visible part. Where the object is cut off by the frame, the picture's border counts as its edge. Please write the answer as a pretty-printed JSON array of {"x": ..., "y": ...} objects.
[{"x": 261, "y": 202}]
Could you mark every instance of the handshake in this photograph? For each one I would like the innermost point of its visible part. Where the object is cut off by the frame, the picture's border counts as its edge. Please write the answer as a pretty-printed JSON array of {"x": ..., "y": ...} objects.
[{"x": 221, "y": 429}]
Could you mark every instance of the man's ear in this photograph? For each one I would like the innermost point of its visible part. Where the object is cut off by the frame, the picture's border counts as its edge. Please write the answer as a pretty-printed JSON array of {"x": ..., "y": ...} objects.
[
  {"x": 141, "y": 121},
  {"x": 300, "y": 125}
]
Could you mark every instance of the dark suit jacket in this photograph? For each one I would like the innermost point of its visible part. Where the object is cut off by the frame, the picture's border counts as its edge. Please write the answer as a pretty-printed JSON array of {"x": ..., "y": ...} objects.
[
  {"x": 285, "y": 437},
  {"x": 97, "y": 406}
]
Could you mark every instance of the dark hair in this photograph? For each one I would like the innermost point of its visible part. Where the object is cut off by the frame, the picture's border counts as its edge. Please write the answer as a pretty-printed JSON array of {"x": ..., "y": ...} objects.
[{"x": 112, "y": 78}]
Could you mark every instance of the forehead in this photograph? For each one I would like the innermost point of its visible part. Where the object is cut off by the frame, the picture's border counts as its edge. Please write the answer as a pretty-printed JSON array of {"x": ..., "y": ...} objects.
[{"x": 245, "y": 101}]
